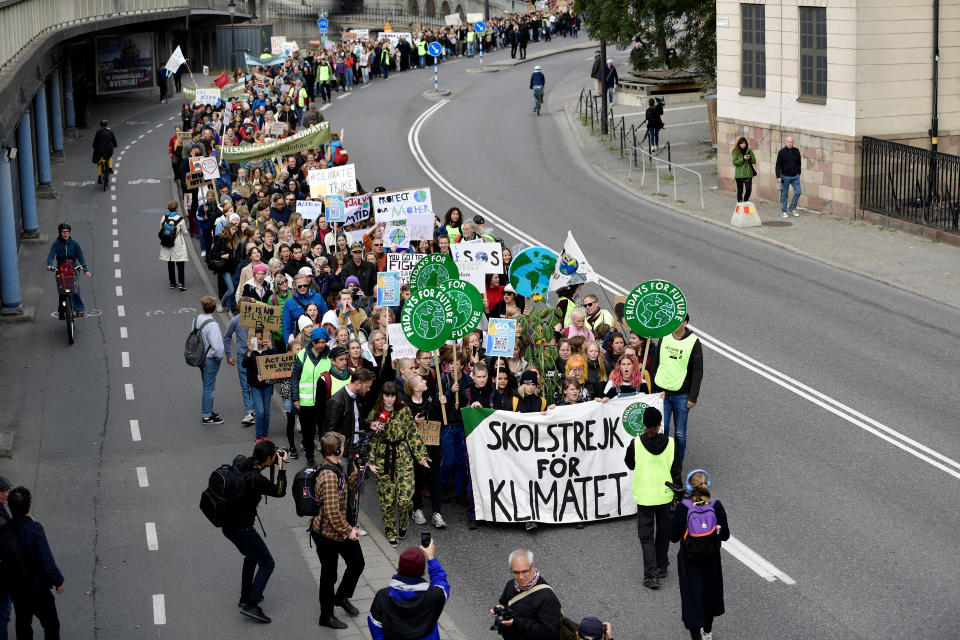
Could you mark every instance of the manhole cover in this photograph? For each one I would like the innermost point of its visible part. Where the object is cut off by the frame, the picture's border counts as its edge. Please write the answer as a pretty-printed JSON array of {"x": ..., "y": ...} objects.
[
  {"x": 776, "y": 223},
  {"x": 153, "y": 211}
]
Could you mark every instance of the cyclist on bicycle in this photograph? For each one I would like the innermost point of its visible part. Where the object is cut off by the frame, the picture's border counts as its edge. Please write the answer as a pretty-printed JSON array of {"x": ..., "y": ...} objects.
[
  {"x": 66, "y": 249},
  {"x": 537, "y": 82},
  {"x": 103, "y": 144}
]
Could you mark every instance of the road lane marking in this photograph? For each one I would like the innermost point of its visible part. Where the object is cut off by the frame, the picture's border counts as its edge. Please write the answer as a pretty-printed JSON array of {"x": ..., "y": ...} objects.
[
  {"x": 116, "y": 273},
  {"x": 114, "y": 220},
  {"x": 113, "y": 196},
  {"x": 123, "y": 333},
  {"x": 128, "y": 391},
  {"x": 116, "y": 232},
  {"x": 113, "y": 209},
  {"x": 142, "y": 477},
  {"x": 152, "y": 542},
  {"x": 121, "y": 311},
  {"x": 116, "y": 257},
  {"x": 135, "y": 430},
  {"x": 346, "y": 95},
  {"x": 326, "y": 106},
  {"x": 754, "y": 561},
  {"x": 116, "y": 243},
  {"x": 125, "y": 359},
  {"x": 159, "y": 609},
  {"x": 119, "y": 291}
]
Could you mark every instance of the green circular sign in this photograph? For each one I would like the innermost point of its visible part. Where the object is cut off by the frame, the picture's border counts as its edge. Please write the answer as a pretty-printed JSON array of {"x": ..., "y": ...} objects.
[
  {"x": 427, "y": 319},
  {"x": 633, "y": 418},
  {"x": 655, "y": 309},
  {"x": 467, "y": 306},
  {"x": 531, "y": 269},
  {"x": 432, "y": 271}
]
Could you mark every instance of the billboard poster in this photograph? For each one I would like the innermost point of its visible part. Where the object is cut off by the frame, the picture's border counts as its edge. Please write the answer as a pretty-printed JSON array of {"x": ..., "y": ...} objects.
[{"x": 124, "y": 62}]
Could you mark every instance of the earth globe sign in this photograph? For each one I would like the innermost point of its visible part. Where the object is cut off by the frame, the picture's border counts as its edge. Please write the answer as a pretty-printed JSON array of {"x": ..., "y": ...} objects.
[
  {"x": 420, "y": 195},
  {"x": 568, "y": 264},
  {"x": 655, "y": 309},
  {"x": 467, "y": 306},
  {"x": 397, "y": 236},
  {"x": 432, "y": 271},
  {"x": 427, "y": 319},
  {"x": 633, "y": 418},
  {"x": 531, "y": 270}
]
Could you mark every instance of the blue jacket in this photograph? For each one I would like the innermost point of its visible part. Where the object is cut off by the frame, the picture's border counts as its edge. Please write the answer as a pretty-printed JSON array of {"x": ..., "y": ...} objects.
[
  {"x": 293, "y": 309},
  {"x": 537, "y": 79},
  {"x": 63, "y": 251},
  {"x": 403, "y": 589},
  {"x": 34, "y": 541}
]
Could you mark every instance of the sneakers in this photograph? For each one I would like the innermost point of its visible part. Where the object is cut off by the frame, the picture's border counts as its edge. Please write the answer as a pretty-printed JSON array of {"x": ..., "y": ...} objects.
[
  {"x": 783, "y": 214},
  {"x": 248, "y": 419},
  {"x": 79, "y": 313},
  {"x": 173, "y": 285},
  {"x": 332, "y": 622},
  {"x": 214, "y": 419},
  {"x": 418, "y": 516},
  {"x": 220, "y": 306},
  {"x": 530, "y": 526},
  {"x": 393, "y": 542},
  {"x": 361, "y": 532},
  {"x": 794, "y": 212},
  {"x": 203, "y": 254},
  {"x": 651, "y": 583},
  {"x": 99, "y": 179},
  {"x": 293, "y": 453},
  {"x": 472, "y": 524},
  {"x": 255, "y": 612},
  {"x": 663, "y": 572},
  {"x": 706, "y": 635},
  {"x": 182, "y": 286},
  {"x": 438, "y": 521},
  {"x": 402, "y": 532}
]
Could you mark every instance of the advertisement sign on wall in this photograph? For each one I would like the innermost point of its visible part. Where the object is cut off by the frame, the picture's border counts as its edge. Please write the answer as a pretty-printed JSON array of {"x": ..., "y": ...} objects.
[{"x": 124, "y": 62}]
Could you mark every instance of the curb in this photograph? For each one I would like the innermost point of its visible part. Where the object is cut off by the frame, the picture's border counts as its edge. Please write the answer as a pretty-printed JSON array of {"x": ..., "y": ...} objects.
[
  {"x": 629, "y": 188},
  {"x": 589, "y": 44}
]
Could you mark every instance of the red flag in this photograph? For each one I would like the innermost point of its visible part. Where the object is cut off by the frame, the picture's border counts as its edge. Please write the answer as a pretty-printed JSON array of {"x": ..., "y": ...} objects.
[{"x": 221, "y": 80}]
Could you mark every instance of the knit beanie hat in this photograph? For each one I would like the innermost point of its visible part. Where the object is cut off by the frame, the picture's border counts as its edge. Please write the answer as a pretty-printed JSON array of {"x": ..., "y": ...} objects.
[{"x": 412, "y": 563}]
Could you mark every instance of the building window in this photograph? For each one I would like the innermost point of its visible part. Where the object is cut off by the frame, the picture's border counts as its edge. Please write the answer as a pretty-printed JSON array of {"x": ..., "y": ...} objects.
[
  {"x": 813, "y": 54},
  {"x": 753, "y": 53}
]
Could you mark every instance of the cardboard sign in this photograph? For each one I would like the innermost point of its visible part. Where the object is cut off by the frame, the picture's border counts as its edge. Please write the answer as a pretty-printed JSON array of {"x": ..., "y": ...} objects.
[
  {"x": 279, "y": 365},
  {"x": 430, "y": 433},
  {"x": 207, "y": 96},
  {"x": 194, "y": 179},
  {"x": 276, "y": 44},
  {"x": 310, "y": 210},
  {"x": 401, "y": 346},
  {"x": 360, "y": 34},
  {"x": 391, "y": 205},
  {"x": 183, "y": 137},
  {"x": 394, "y": 37},
  {"x": 452, "y": 20},
  {"x": 209, "y": 168},
  {"x": 618, "y": 304},
  {"x": 398, "y": 234},
  {"x": 356, "y": 208},
  {"x": 403, "y": 263},
  {"x": 333, "y": 180},
  {"x": 257, "y": 315},
  {"x": 474, "y": 17},
  {"x": 335, "y": 208},
  {"x": 388, "y": 288}
]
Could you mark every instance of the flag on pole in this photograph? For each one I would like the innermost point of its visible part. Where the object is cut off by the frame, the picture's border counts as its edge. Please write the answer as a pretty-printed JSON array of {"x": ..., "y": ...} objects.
[
  {"x": 221, "y": 80},
  {"x": 176, "y": 59},
  {"x": 572, "y": 267}
]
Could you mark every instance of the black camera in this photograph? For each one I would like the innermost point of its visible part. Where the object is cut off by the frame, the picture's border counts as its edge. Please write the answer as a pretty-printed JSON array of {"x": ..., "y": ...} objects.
[
  {"x": 363, "y": 447},
  {"x": 660, "y": 99},
  {"x": 502, "y": 612}
]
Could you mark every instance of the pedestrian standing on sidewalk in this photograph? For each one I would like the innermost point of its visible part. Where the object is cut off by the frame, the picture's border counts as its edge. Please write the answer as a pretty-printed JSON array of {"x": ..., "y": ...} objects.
[
  {"x": 213, "y": 345},
  {"x": 788, "y": 173},
  {"x": 240, "y": 335},
  {"x": 743, "y": 160},
  {"x": 595, "y": 73},
  {"x": 613, "y": 80},
  {"x": 654, "y": 116},
  {"x": 173, "y": 244}
]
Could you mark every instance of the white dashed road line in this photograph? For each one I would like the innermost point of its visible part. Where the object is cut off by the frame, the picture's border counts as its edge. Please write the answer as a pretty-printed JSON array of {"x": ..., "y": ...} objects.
[
  {"x": 135, "y": 430},
  {"x": 123, "y": 333},
  {"x": 116, "y": 243},
  {"x": 159, "y": 609},
  {"x": 116, "y": 273},
  {"x": 152, "y": 543},
  {"x": 125, "y": 359},
  {"x": 119, "y": 291},
  {"x": 142, "y": 477},
  {"x": 326, "y": 106},
  {"x": 121, "y": 312},
  {"x": 128, "y": 391}
]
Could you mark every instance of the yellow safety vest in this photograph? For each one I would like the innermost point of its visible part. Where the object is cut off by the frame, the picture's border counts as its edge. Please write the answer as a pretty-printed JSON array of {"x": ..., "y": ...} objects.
[
  {"x": 302, "y": 97},
  {"x": 674, "y": 358},
  {"x": 309, "y": 377},
  {"x": 323, "y": 73},
  {"x": 470, "y": 36},
  {"x": 421, "y": 48},
  {"x": 649, "y": 474}
]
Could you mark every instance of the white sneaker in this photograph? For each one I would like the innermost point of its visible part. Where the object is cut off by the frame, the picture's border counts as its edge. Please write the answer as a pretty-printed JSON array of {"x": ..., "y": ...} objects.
[
  {"x": 418, "y": 517},
  {"x": 220, "y": 306},
  {"x": 795, "y": 214},
  {"x": 248, "y": 419},
  {"x": 438, "y": 521},
  {"x": 706, "y": 635},
  {"x": 203, "y": 254},
  {"x": 783, "y": 214}
]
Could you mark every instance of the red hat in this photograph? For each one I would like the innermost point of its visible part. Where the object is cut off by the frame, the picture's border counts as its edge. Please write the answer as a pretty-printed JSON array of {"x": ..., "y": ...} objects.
[{"x": 412, "y": 563}]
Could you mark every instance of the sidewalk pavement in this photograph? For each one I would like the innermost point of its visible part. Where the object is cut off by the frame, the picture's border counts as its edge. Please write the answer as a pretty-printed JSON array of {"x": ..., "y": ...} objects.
[
  {"x": 512, "y": 62},
  {"x": 877, "y": 251}
]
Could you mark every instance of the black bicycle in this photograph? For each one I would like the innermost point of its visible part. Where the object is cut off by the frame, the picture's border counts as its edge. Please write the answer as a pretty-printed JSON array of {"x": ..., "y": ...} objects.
[{"x": 67, "y": 284}]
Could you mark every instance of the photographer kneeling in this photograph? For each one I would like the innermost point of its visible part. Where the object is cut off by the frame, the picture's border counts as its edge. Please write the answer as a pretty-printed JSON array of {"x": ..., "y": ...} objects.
[
  {"x": 528, "y": 609},
  {"x": 411, "y": 606}
]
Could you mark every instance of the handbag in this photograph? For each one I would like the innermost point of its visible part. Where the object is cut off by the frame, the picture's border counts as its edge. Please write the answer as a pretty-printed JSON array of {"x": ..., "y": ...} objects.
[
  {"x": 568, "y": 628},
  {"x": 217, "y": 265}
]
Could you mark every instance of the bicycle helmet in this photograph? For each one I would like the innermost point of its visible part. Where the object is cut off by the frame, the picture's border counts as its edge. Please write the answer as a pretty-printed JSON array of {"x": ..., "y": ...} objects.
[
  {"x": 64, "y": 225},
  {"x": 536, "y": 68},
  {"x": 104, "y": 123}
]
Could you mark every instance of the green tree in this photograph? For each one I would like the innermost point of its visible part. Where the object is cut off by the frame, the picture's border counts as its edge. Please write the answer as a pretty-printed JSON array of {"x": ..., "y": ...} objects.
[{"x": 649, "y": 27}]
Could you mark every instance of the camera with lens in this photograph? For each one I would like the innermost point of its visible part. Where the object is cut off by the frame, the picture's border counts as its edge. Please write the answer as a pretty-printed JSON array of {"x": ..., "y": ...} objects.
[
  {"x": 660, "y": 100},
  {"x": 502, "y": 612},
  {"x": 281, "y": 453},
  {"x": 363, "y": 447}
]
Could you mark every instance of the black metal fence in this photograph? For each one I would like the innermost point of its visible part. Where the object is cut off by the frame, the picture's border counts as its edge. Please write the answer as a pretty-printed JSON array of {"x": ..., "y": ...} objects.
[{"x": 911, "y": 183}]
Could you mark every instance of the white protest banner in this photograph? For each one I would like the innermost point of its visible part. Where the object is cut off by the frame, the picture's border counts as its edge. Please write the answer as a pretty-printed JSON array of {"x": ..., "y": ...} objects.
[
  {"x": 209, "y": 96},
  {"x": 310, "y": 210},
  {"x": 334, "y": 206},
  {"x": 486, "y": 254},
  {"x": 394, "y": 37},
  {"x": 473, "y": 18},
  {"x": 333, "y": 180},
  {"x": 356, "y": 208},
  {"x": 210, "y": 169},
  {"x": 452, "y": 20},
  {"x": 562, "y": 467},
  {"x": 175, "y": 60},
  {"x": 472, "y": 273},
  {"x": 501, "y": 337},
  {"x": 403, "y": 263},
  {"x": 400, "y": 233},
  {"x": 362, "y": 34},
  {"x": 354, "y": 236},
  {"x": 391, "y": 205},
  {"x": 572, "y": 267},
  {"x": 276, "y": 44},
  {"x": 290, "y": 47},
  {"x": 388, "y": 288},
  {"x": 398, "y": 340}
]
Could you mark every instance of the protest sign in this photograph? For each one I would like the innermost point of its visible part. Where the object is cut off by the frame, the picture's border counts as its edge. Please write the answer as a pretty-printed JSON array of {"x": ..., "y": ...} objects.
[
  {"x": 531, "y": 270},
  {"x": 489, "y": 255},
  {"x": 335, "y": 208},
  {"x": 427, "y": 318},
  {"x": 401, "y": 232},
  {"x": 655, "y": 309},
  {"x": 209, "y": 168},
  {"x": 356, "y": 208},
  {"x": 194, "y": 179},
  {"x": 394, "y": 37},
  {"x": 562, "y": 467},
  {"x": 388, "y": 288},
  {"x": 391, "y": 205},
  {"x": 432, "y": 271},
  {"x": 452, "y": 20},
  {"x": 279, "y": 365},
  {"x": 360, "y": 34},
  {"x": 501, "y": 337},
  {"x": 276, "y": 129},
  {"x": 430, "y": 432},
  {"x": 276, "y": 44},
  {"x": 269, "y": 61},
  {"x": 233, "y": 90},
  {"x": 310, "y": 210},
  {"x": 354, "y": 236},
  {"x": 474, "y": 17},
  {"x": 255, "y": 315},
  {"x": 403, "y": 263},
  {"x": 207, "y": 96},
  {"x": 572, "y": 266},
  {"x": 303, "y": 139},
  {"x": 467, "y": 306},
  {"x": 401, "y": 346},
  {"x": 335, "y": 180},
  {"x": 618, "y": 303}
]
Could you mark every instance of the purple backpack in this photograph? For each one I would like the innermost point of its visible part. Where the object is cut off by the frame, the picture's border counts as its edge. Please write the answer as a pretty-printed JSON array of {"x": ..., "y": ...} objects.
[{"x": 701, "y": 540}]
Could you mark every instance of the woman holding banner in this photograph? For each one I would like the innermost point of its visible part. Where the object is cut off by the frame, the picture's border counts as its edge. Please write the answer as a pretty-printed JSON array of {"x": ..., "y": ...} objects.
[{"x": 625, "y": 379}]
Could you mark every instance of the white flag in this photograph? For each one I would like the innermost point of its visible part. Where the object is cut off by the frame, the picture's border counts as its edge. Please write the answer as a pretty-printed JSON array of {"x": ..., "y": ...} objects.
[
  {"x": 572, "y": 267},
  {"x": 176, "y": 59}
]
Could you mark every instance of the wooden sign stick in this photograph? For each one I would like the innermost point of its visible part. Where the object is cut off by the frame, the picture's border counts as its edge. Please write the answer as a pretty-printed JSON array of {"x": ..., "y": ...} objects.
[{"x": 443, "y": 407}]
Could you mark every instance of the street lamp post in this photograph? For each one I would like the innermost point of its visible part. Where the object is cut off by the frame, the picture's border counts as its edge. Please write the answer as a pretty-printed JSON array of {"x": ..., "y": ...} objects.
[{"x": 232, "y": 10}]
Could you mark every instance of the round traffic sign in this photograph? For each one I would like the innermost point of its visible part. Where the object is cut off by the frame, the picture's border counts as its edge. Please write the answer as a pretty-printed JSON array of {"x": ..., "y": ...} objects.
[
  {"x": 435, "y": 49},
  {"x": 322, "y": 24},
  {"x": 480, "y": 26},
  {"x": 655, "y": 309}
]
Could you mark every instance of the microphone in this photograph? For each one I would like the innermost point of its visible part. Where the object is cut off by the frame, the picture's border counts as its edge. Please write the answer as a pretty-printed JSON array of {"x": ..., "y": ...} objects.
[{"x": 383, "y": 417}]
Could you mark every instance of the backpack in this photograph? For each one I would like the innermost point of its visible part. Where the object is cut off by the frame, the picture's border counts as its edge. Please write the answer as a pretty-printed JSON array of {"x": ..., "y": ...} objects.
[
  {"x": 16, "y": 571},
  {"x": 304, "y": 486},
  {"x": 340, "y": 156},
  {"x": 168, "y": 231},
  {"x": 701, "y": 540},
  {"x": 225, "y": 488},
  {"x": 194, "y": 351}
]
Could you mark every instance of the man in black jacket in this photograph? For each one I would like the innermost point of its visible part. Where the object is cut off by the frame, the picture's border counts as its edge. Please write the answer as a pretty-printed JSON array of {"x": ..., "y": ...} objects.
[
  {"x": 788, "y": 173},
  {"x": 343, "y": 408},
  {"x": 532, "y": 602},
  {"x": 365, "y": 272},
  {"x": 238, "y": 526},
  {"x": 596, "y": 72}
]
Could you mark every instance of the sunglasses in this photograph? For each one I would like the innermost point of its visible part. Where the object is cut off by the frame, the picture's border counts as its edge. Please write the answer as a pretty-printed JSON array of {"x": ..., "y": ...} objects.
[{"x": 303, "y": 286}]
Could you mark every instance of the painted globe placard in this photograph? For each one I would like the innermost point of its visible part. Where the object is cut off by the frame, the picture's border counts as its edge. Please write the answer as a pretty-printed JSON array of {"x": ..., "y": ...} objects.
[
  {"x": 633, "y": 418},
  {"x": 432, "y": 271},
  {"x": 427, "y": 319},
  {"x": 531, "y": 269},
  {"x": 467, "y": 306},
  {"x": 655, "y": 309}
]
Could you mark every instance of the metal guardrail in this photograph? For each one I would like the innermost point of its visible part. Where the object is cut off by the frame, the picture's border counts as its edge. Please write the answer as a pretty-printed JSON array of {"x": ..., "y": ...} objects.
[
  {"x": 910, "y": 183},
  {"x": 343, "y": 13},
  {"x": 675, "y": 178}
]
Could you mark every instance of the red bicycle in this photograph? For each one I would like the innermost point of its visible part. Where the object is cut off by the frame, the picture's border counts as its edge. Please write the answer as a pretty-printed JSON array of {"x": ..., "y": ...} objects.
[{"x": 67, "y": 284}]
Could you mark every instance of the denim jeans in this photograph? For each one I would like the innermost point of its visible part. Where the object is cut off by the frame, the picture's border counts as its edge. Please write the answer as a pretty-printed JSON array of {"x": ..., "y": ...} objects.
[
  {"x": 452, "y": 445},
  {"x": 610, "y": 96},
  {"x": 208, "y": 373},
  {"x": 365, "y": 72},
  {"x": 206, "y": 239},
  {"x": 348, "y": 78},
  {"x": 257, "y": 562},
  {"x": 245, "y": 392},
  {"x": 676, "y": 405},
  {"x": 784, "y": 192},
  {"x": 423, "y": 61},
  {"x": 227, "y": 300},
  {"x": 5, "y": 607},
  {"x": 654, "y": 136},
  {"x": 261, "y": 402}
]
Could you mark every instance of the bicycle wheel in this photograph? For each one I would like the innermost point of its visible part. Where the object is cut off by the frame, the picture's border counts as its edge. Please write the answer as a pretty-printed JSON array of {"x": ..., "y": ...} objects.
[
  {"x": 106, "y": 177},
  {"x": 69, "y": 317},
  {"x": 539, "y": 102}
]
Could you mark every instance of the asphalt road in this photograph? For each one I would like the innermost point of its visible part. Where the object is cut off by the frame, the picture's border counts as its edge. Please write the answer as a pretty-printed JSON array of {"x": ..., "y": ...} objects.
[{"x": 852, "y": 519}]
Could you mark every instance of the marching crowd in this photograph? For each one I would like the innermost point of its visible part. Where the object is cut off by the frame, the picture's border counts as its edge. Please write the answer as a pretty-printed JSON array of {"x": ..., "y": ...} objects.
[{"x": 363, "y": 408}]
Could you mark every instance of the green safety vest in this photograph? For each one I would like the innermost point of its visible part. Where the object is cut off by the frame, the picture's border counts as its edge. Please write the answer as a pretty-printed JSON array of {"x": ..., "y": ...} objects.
[
  {"x": 568, "y": 314},
  {"x": 421, "y": 48},
  {"x": 384, "y": 57},
  {"x": 674, "y": 358},
  {"x": 336, "y": 383},
  {"x": 309, "y": 377},
  {"x": 453, "y": 233},
  {"x": 323, "y": 73},
  {"x": 470, "y": 36},
  {"x": 302, "y": 97},
  {"x": 649, "y": 474}
]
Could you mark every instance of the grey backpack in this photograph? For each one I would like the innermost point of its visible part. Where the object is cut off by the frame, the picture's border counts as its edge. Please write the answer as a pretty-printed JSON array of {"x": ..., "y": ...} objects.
[{"x": 194, "y": 351}]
